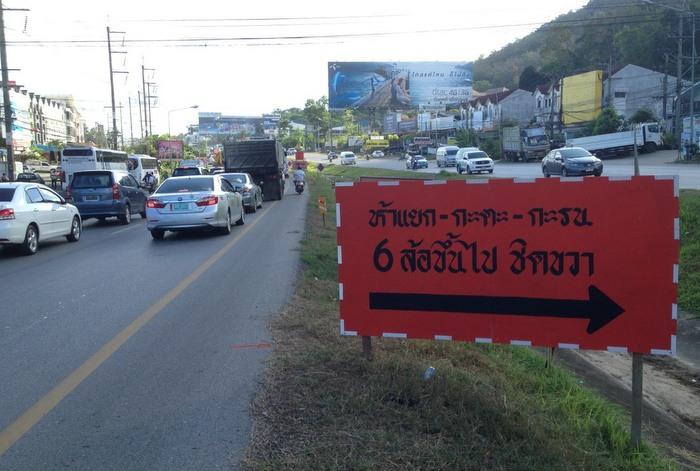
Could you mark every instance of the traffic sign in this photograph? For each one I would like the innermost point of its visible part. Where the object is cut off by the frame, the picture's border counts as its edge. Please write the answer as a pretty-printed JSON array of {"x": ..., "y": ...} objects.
[
  {"x": 322, "y": 205},
  {"x": 589, "y": 263}
]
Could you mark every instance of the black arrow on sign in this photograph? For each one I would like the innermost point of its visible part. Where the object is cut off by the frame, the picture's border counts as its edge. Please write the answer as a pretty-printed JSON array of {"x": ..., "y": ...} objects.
[{"x": 599, "y": 309}]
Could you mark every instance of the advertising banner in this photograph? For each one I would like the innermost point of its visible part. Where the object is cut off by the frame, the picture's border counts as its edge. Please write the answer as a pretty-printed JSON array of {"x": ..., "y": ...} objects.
[
  {"x": 170, "y": 150},
  {"x": 216, "y": 123},
  {"x": 541, "y": 262},
  {"x": 398, "y": 85}
]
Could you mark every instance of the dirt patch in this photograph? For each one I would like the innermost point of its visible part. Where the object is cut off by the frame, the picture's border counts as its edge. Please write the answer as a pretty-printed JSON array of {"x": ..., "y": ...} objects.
[{"x": 671, "y": 413}]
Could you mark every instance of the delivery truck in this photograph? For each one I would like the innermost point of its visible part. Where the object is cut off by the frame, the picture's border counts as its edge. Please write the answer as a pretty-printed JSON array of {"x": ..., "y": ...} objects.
[
  {"x": 263, "y": 159},
  {"x": 524, "y": 143},
  {"x": 648, "y": 137}
]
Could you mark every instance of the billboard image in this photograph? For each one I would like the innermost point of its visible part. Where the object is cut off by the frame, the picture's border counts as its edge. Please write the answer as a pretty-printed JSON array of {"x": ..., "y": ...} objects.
[
  {"x": 582, "y": 97},
  {"x": 398, "y": 85},
  {"x": 171, "y": 149},
  {"x": 216, "y": 123}
]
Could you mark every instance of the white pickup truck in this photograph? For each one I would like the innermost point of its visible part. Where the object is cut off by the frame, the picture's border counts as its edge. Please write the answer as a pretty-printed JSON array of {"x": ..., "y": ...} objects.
[{"x": 648, "y": 137}]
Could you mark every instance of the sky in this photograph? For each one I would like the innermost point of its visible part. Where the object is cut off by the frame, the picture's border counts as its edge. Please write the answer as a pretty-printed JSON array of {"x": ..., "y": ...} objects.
[{"x": 241, "y": 58}]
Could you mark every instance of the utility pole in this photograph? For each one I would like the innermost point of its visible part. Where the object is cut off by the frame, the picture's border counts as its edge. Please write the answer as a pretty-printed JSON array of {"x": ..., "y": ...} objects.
[
  {"x": 140, "y": 116},
  {"x": 131, "y": 125},
  {"x": 111, "y": 83},
  {"x": 679, "y": 85},
  {"x": 148, "y": 105},
  {"x": 7, "y": 106},
  {"x": 665, "y": 91},
  {"x": 693, "y": 140},
  {"x": 146, "y": 100},
  {"x": 121, "y": 125},
  {"x": 551, "y": 110}
]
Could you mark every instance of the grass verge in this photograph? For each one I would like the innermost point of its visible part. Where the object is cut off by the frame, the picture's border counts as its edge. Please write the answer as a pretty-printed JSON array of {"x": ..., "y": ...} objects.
[
  {"x": 352, "y": 172},
  {"x": 322, "y": 406},
  {"x": 689, "y": 281}
]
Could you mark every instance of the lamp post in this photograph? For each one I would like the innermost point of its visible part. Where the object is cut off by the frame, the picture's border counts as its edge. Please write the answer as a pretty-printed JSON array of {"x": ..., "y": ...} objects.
[{"x": 193, "y": 107}]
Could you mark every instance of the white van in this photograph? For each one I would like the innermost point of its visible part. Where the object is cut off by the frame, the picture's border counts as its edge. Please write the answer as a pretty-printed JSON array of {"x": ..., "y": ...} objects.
[{"x": 446, "y": 156}]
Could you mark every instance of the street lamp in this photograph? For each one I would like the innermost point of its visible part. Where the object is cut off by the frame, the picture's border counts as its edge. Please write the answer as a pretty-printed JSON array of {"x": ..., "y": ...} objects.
[{"x": 193, "y": 107}]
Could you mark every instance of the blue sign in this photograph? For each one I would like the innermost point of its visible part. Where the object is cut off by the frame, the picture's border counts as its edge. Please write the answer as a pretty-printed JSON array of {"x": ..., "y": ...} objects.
[{"x": 398, "y": 85}]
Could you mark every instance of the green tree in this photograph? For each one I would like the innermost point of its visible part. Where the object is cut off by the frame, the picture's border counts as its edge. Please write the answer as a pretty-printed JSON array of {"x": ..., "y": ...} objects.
[
  {"x": 643, "y": 116},
  {"x": 530, "y": 78},
  {"x": 608, "y": 121},
  {"x": 482, "y": 85},
  {"x": 97, "y": 136},
  {"x": 467, "y": 138}
]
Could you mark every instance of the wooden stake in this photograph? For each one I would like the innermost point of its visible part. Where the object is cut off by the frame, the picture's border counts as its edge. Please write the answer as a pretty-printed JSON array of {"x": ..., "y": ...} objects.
[
  {"x": 637, "y": 398},
  {"x": 367, "y": 348}
]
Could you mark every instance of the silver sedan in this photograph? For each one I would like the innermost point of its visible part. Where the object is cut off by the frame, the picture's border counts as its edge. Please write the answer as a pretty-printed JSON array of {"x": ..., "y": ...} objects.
[
  {"x": 30, "y": 212},
  {"x": 193, "y": 202}
]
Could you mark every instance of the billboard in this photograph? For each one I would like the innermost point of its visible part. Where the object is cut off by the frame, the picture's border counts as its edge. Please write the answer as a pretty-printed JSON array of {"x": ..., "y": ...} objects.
[
  {"x": 170, "y": 149},
  {"x": 398, "y": 85},
  {"x": 582, "y": 97},
  {"x": 216, "y": 123},
  {"x": 538, "y": 262}
]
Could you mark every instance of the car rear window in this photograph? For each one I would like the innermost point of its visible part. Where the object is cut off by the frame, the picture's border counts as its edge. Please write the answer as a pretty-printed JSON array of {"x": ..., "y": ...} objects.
[
  {"x": 6, "y": 194},
  {"x": 235, "y": 179},
  {"x": 92, "y": 180},
  {"x": 451, "y": 151},
  {"x": 185, "y": 172},
  {"x": 186, "y": 185}
]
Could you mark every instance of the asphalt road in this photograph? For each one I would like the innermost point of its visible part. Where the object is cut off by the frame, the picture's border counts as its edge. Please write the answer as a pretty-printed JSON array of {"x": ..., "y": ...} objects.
[
  {"x": 123, "y": 353},
  {"x": 658, "y": 163}
]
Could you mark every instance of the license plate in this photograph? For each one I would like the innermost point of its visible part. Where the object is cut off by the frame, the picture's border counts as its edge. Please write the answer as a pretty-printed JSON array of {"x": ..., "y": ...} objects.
[
  {"x": 180, "y": 206},
  {"x": 91, "y": 198}
]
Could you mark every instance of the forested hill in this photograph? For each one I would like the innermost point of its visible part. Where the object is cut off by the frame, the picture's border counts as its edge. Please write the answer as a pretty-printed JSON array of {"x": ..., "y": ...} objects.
[{"x": 621, "y": 31}]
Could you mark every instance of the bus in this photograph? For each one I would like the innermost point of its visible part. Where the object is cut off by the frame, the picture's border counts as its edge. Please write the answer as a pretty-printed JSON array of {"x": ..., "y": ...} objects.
[
  {"x": 140, "y": 164},
  {"x": 78, "y": 159}
]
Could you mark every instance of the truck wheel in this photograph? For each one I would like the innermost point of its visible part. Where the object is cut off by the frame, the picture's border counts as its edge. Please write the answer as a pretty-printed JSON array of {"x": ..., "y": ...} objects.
[{"x": 650, "y": 147}]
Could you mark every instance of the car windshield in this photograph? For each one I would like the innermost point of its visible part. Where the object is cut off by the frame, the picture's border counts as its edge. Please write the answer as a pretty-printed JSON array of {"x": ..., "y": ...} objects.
[
  {"x": 451, "y": 151},
  {"x": 184, "y": 172},
  {"x": 477, "y": 155},
  {"x": 186, "y": 185},
  {"x": 6, "y": 194},
  {"x": 236, "y": 178},
  {"x": 92, "y": 180},
  {"x": 574, "y": 153},
  {"x": 536, "y": 140},
  {"x": 349, "y": 154}
]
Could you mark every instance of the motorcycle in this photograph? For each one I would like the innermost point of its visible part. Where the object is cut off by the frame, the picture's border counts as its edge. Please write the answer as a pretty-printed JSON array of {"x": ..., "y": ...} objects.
[{"x": 299, "y": 187}]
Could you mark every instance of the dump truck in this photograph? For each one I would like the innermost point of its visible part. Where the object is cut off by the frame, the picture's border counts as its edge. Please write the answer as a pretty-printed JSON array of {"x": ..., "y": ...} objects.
[
  {"x": 524, "y": 143},
  {"x": 263, "y": 159}
]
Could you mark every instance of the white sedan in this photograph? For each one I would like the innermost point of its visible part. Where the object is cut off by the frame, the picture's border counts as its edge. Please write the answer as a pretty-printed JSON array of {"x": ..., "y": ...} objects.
[
  {"x": 348, "y": 158},
  {"x": 194, "y": 202},
  {"x": 30, "y": 212},
  {"x": 377, "y": 154}
]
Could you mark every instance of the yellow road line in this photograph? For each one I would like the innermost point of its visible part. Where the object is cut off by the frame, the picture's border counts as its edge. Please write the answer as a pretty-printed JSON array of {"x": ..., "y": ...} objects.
[{"x": 43, "y": 406}]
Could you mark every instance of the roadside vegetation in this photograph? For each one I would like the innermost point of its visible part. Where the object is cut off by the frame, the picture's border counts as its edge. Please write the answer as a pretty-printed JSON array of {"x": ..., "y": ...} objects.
[
  {"x": 353, "y": 172},
  {"x": 689, "y": 280},
  {"x": 323, "y": 406}
]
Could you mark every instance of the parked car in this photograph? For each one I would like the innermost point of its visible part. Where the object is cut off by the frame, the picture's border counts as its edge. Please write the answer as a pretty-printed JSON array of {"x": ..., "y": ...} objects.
[
  {"x": 30, "y": 213},
  {"x": 377, "y": 154},
  {"x": 446, "y": 156},
  {"x": 414, "y": 162},
  {"x": 192, "y": 203},
  {"x": 473, "y": 160},
  {"x": 189, "y": 171},
  {"x": 107, "y": 193},
  {"x": 216, "y": 170},
  {"x": 250, "y": 191},
  {"x": 348, "y": 158},
  {"x": 569, "y": 161},
  {"x": 30, "y": 177}
]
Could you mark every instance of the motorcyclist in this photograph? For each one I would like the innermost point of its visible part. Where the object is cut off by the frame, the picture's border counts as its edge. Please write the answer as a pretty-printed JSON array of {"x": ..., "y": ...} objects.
[
  {"x": 149, "y": 180},
  {"x": 299, "y": 175}
]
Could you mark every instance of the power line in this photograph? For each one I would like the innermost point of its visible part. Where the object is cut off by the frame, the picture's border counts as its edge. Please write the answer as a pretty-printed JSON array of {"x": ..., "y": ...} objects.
[{"x": 603, "y": 22}]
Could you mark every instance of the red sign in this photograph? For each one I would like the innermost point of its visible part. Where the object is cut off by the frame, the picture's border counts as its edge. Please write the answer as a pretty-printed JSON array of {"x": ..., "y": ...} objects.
[{"x": 589, "y": 263}]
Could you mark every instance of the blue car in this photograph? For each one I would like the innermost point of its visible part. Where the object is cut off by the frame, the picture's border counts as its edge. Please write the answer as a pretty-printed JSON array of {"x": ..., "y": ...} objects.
[{"x": 107, "y": 193}]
